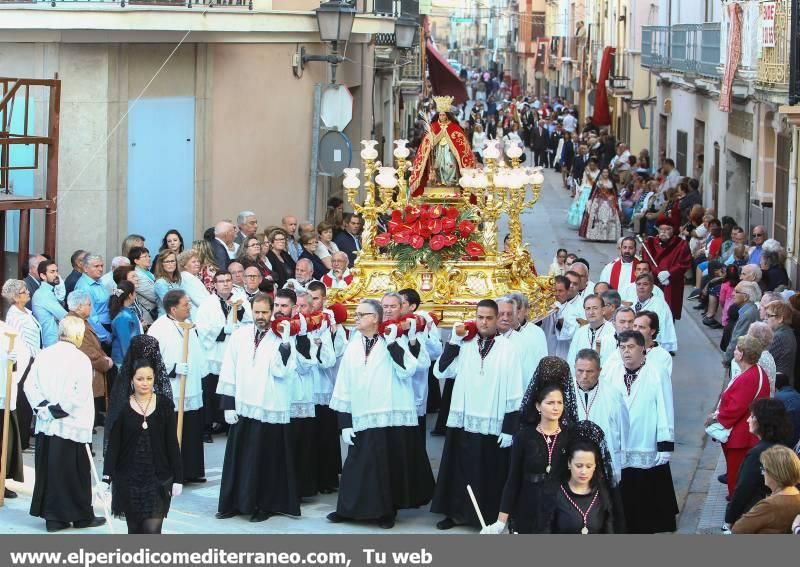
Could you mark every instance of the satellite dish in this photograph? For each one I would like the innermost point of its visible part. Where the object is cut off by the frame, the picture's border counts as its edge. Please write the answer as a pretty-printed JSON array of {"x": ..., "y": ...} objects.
[
  {"x": 336, "y": 109},
  {"x": 591, "y": 96},
  {"x": 335, "y": 153},
  {"x": 642, "y": 118}
]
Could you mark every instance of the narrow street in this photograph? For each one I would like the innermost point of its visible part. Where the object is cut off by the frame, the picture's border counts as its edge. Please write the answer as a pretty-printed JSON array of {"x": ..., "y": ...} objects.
[{"x": 696, "y": 383}]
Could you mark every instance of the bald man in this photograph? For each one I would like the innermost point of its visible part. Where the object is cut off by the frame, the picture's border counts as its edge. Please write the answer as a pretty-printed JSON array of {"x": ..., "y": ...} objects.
[{"x": 223, "y": 246}]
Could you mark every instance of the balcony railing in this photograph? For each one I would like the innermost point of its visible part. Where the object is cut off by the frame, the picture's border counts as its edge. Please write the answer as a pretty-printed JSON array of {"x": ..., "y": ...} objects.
[
  {"x": 123, "y": 3},
  {"x": 693, "y": 49},
  {"x": 773, "y": 64}
]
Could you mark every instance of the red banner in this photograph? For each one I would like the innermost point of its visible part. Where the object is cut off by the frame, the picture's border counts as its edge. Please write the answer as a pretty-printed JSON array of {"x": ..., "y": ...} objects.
[
  {"x": 734, "y": 56},
  {"x": 601, "y": 116}
]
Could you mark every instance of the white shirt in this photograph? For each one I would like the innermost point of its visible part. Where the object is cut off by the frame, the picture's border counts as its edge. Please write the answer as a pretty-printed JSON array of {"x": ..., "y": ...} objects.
[
  {"x": 257, "y": 379},
  {"x": 532, "y": 348},
  {"x": 484, "y": 391},
  {"x": 211, "y": 322},
  {"x": 170, "y": 342},
  {"x": 625, "y": 270},
  {"x": 605, "y": 334}
]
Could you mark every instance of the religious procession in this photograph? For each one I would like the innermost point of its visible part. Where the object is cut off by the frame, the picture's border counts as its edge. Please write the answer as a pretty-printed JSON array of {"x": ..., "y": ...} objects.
[{"x": 482, "y": 328}]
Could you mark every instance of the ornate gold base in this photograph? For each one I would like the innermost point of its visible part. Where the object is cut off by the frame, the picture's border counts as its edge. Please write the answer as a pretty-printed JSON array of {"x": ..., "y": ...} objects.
[{"x": 451, "y": 292}]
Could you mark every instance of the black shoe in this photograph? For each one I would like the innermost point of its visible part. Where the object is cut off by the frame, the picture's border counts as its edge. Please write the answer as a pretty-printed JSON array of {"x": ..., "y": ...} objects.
[
  {"x": 723, "y": 478},
  {"x": 261, "y": 516},
  {"x": 93, "y": 523},
  {"x": 207, "y": 438},
  {"x": 53, "y": 526},
  {"x": 387, "y": 522},
  {"x": 437, "y": 433},
  {"x": 217, "y": 428},
  {"x": 10, "y": 493},
  {"x": 225, "y": 515},
  {"x": 198, "y": 480},
  {"x": 335, "y": 518},
  {"x": 446, "y": 524}
]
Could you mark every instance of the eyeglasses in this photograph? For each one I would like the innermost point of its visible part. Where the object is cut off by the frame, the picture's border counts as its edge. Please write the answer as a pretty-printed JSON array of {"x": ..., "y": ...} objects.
[
  {"x": 758, "y": 235},
  {"x": 771, "y": 316},
  {"x": 359, "y": 315},
  {"x": 254, "y": 276},
  {"x": 170, "y": 261},
  {"x": 254, "y": 245}
]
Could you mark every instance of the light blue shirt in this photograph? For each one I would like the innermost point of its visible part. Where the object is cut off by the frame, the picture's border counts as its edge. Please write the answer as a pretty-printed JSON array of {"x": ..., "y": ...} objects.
[
  {"x": 161, "y": 287},
  {"x": 295, "y": 249},
  {"x": 99, "y": 317},
  {"x": 49, "y": 312}
]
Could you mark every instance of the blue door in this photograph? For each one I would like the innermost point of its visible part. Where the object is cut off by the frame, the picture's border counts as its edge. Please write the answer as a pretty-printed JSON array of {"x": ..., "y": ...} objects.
[
  {"x": 21, "y": 180},
  {"x": 161, "y": 169}
]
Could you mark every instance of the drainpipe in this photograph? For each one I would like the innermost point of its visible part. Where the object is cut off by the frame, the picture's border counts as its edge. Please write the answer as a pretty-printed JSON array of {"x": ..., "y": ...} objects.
[{"x": 791, "y": 213}]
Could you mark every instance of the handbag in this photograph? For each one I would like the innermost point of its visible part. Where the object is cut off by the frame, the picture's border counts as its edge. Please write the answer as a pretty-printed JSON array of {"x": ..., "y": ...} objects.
[{"x": 721, "y": 434}]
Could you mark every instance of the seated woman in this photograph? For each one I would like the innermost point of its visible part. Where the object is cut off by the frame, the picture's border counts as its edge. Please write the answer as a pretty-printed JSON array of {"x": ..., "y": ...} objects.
[{"x": 775, "y": 513}]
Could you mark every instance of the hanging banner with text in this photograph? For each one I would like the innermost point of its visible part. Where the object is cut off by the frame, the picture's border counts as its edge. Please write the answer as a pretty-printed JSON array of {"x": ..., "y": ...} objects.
[{"x": 768, "y": 24}]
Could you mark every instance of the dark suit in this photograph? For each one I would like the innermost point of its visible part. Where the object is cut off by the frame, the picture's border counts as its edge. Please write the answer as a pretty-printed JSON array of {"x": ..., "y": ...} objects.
[
  {"x": 539, "y": 142},
  {"x": 220, "y": 254},
  {"x": 347, "y": 243},
  {"x": 578, "y": 167},
  {"x": 32, "y": 285}
]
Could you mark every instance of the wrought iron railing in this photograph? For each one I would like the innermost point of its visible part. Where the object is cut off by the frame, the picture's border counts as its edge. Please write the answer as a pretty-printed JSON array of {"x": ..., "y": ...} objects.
[
  {"x": 773, "y": 64},
  {"x": 689, "y": 48}
]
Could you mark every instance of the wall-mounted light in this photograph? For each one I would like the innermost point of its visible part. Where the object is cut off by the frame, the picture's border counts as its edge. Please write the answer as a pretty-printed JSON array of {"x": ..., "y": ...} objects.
[{"x": 335, "y": 21}]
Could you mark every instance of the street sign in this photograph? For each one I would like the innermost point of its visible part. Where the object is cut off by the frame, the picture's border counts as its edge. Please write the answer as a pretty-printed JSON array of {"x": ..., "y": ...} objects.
[
  {"x": 335, "y": 153},
  {"x": 336, "y": 109}
]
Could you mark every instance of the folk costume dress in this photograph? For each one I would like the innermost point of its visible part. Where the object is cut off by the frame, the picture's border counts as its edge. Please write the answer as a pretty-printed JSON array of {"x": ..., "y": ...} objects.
[
  {"x": 578, "y": 206},
  {"x": 601, "y": 220},
  {"x": 256, "y": 381},
  {"x": 487, "y": 390},
  {"x": 386, "y": 468},
  {"x": 60, "y": 379},
  {"x": 169, "y": 335}
]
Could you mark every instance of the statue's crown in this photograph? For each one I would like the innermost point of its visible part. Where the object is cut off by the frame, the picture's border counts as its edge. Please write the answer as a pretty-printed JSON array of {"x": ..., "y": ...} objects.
[{"x": 443, "y": 103}]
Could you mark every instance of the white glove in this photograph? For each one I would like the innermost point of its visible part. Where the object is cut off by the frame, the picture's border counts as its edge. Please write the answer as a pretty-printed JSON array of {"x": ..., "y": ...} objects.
[
  {"x": 348, "y": 435},
  {"x": 662, "y": 458},
  {"x": 454, "y": 338},
  {"x": 392, "y": 336},
  {"x": 303, "y": 325},
  {"x": 177, "y": 489},
  {"x": 496, "y": 528},
  {"x": 412, "y": 329},
  {"x": 12, "y": 356},
  {"x": 231, "y": 417},
  {"x": 504, "y": 440},
  {"x": 229, "y": 328},
  {"x": 285, "y": 327},
  {"x": 663, "y": 277},
  {"x": 182, "y": 369}
]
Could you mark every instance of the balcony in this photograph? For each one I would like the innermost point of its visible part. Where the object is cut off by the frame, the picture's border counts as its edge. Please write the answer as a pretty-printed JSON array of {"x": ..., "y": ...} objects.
[
  {"x": 773, "y": 63},
  {"x": 692, "y": 49}
]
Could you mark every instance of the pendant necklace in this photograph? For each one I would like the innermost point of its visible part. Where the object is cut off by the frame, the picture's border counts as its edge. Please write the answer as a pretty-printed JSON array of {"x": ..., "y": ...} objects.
[
  {"x": 484, "y": 346},
  {"x": 144, "y": 409},
  {"x": 551, "y": 446},
  {"x": 587, "y": 408},
  {"x": 584, "y": 515}
]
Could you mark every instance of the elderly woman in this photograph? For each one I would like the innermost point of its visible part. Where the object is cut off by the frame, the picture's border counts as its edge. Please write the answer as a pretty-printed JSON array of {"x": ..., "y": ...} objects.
[
  {"x": 59, "y": 386},
  {"x": 250, "y": 255},
  {"x": 746, "y": 296},
  {"x": 20, "y": 317},
  {"x": 20, "y": 357},
  {"x": 774, "y": 514},
  {"x": 189, "y": 266},
  {"x": 309, "y": 243},
  {"x": 734, "y": 405},
  {"x": 325, "y": 244},
  {"x": 770, "y": 423},
  {"x": 763, "y": 334},
  {"x": 80, "y": 306},
  {"x": 167, "y": 274},
  {"x": 783, "y": 347},
  {"x": 773, "y": 273},
  {"x": 145, "y": 289}
]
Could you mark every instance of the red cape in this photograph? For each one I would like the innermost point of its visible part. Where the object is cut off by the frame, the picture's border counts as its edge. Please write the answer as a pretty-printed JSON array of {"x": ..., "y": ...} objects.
[{"x": 675, "y": 258}]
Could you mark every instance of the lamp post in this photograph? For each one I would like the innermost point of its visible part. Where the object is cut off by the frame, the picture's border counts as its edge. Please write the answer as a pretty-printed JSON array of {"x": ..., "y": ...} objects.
[{"x": 335, "y": 21}]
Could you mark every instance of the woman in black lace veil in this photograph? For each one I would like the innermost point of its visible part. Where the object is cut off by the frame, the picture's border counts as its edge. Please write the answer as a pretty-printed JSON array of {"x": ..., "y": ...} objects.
[
  {"x": 539, "y": 452},
  {"x": 142, "y": 457}
]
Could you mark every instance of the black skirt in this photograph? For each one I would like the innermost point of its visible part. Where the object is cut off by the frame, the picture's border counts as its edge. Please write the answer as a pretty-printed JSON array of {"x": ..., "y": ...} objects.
[
  {"x": 62, "y": 491},
  {"x": 14, "y": 455},
  {"x": 303, "y": 435},
  {"x": 648, "y": 497},
  {"x": 192, "y": 445},
  {"x": 328, "y": 447},
  {"x": 444, "y": 406},
  {"x": 477, "y": 460},
  {"x": 258, "y": 470},
  {"x": 386, "y": 470}
]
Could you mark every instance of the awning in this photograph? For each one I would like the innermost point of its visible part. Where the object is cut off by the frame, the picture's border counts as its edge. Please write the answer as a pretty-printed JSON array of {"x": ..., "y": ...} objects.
[{"x": 444, "y": 80}]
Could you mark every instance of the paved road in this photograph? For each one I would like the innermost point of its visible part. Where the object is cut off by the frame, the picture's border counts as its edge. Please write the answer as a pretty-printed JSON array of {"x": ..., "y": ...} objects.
[{"x": 696, "y": 384}]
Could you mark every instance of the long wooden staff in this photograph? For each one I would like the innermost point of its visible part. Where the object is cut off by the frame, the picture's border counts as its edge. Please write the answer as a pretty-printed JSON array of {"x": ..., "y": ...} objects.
[
  {"x": 6, "y": 420},
  {"x": 187, "y": 327}
]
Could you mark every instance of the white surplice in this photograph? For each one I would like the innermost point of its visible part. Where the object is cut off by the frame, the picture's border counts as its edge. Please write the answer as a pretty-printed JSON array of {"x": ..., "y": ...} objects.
[
  {"x": 170, "y": 342},
  {"x": 211, "y": 321}
]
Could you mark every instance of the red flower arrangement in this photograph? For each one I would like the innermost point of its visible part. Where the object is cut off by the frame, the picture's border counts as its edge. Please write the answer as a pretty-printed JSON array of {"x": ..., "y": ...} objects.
[{"x": 430, "y": 234}]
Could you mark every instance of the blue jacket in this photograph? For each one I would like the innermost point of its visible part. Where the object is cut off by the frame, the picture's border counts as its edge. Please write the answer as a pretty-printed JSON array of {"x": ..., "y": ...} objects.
[
  {"x": 124, "y": 327},
  {"x": 791, "y": 399},
  {"x": 49, "y": 312}
]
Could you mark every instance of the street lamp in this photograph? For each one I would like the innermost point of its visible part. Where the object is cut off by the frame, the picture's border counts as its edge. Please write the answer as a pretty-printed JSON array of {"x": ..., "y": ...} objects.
[
  {"x": 405, "y": 31},
  {"x": 335, "y": 22}
]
